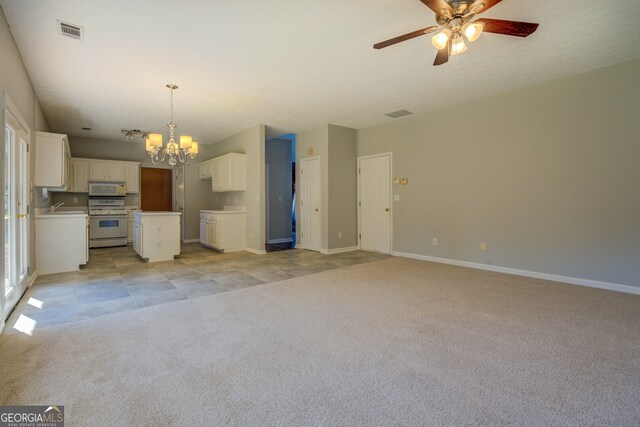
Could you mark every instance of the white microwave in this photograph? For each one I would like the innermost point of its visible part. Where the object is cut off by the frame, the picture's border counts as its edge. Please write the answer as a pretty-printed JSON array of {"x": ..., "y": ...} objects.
[{"x": 103, "y": 188}]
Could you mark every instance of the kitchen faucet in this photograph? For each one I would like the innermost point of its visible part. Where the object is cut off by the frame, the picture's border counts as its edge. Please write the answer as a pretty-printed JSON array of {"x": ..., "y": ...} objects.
[{"x": 56, "y": 206}]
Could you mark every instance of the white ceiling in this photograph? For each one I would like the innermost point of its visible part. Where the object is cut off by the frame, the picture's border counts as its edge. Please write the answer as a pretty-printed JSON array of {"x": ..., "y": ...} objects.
[{"x": 289, "y": 64}]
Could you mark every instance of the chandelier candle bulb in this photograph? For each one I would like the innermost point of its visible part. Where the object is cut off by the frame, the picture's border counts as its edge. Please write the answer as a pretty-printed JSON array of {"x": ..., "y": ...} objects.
[
  {"x": 194, "y": 148},
  {"x": 155, "y": 140},
  {"x": 185, "y": 142}
]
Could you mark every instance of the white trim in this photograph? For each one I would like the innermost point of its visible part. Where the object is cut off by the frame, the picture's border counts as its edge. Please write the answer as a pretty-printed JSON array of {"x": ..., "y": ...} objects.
[
  {"x": 191, "y": 241},
  {"x": 360, "y": 158},
  {"x": 338, "y": 250},
  {"x": 285, "y": 240},
  {"x": 299, "y": 238},
  {"x": 536, "y": 275},
  {"x": 256, "y": 251},
  {"x": 32, "y": 279}
]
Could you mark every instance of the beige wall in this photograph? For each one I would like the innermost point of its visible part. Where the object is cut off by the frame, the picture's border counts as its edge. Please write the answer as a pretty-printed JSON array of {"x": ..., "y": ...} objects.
[
  {"x": 279, "y": 197},
  {"x": 250, "y": 142},
  {"x": 548, "y": 176},
  {"x": 343, "y": 187},
  {"x": 336, "y": 147}
]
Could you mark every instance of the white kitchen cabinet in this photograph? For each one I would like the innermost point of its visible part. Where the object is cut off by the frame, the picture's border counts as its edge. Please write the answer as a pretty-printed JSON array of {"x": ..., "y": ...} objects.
[
  {"x": 132, "y": 176},
  {"x": 223, "y": 230},
  {"x": 228, "y": 173},
  {"x": 204, "y": 169},
  {"x": 106, "y": 170},
  {"x": 130, "y": 226},
  {"x": 53, "y": 159},
  {"x": 156, "y": 235},
  {"x": 80, "y": 179},
  {"x": 62, "y": 242}
]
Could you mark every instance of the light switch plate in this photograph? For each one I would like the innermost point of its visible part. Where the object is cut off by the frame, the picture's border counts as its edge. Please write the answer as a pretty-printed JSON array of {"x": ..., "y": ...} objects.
[{"x": 396, "y": 197}]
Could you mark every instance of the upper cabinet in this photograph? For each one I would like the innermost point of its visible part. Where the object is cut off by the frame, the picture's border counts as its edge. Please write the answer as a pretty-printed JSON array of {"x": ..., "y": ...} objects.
[
  {"x": 80, "y": 181},
  {"x": 204, "y": 169},
  {"x": 106, "y": 170},
  {"x": 85, "y": 170},
  {"x": 53, "y": 159},
  {"x": 132, "y": 177},
  {"x": 227, "y": 172}
]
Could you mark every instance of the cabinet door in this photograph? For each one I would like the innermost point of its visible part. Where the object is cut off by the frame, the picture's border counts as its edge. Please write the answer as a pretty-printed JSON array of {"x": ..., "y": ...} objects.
[
  {"x": 80, "y": 183},
  {"x": 203, "y": 232},
  {"x": 115, "y": 171},
  {"x": 213, "y": 235},
  {"x": 204, "y": 170},
  {"x": 216, "y": 184},
  {"x": 97, "y": 170},
  {"x": 225, "y": 173},
  {"x": 132, "y": 177}
]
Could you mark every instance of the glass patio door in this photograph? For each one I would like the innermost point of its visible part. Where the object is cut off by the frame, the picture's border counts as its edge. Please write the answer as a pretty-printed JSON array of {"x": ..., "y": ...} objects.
[{"x": 16, "y": 210}]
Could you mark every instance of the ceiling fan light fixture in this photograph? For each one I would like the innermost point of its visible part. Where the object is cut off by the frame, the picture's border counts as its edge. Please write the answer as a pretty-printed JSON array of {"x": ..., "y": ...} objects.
[
  {"x": 440, "y": 40},
  {"x": 458, "y": 46},
  {"x": 473, "y": 30}
]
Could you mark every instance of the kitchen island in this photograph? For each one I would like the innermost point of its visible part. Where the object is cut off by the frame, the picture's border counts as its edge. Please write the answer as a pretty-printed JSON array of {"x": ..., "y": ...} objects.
[{"x": 156, "y": 235}]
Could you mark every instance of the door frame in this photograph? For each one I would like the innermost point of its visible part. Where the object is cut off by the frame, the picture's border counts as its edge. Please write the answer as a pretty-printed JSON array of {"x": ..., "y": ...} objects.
[
  {"x": 10, "y": 107},
  {"x": 388, "y": 154},
  {"x": 298, "y": 216},
  {"x": 176, "y": 199}
]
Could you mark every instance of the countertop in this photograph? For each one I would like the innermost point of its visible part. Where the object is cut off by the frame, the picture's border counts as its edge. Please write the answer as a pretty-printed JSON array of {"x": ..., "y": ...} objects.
[
  {"x": 143, "y": 213},
  {"x": 223, "y": 212},
  {"x": 62, "y": 214}
]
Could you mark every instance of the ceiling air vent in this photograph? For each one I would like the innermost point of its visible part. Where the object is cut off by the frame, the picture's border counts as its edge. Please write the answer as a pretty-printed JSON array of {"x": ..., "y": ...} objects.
[
  {"x": 69, "y": 30},
  {"x": 399, "y": 113}
]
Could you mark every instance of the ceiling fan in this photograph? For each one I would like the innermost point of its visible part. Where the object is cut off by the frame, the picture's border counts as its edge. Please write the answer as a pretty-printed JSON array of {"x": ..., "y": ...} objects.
[{"x": 454, "y": 18}]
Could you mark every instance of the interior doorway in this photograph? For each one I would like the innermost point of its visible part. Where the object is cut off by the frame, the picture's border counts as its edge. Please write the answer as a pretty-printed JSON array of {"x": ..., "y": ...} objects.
[
  {"x": 16, "y": 206},
  {"x": 156, "y": 190},
  {"x": 280, "y": 193}
]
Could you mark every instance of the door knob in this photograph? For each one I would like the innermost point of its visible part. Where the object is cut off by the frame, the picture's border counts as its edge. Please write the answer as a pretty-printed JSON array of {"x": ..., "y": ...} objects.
[{"x": 386, "y": 209}]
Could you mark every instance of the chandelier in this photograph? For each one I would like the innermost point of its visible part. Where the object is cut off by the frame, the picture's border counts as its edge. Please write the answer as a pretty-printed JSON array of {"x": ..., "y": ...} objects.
[{"x": 188, "y": 148}]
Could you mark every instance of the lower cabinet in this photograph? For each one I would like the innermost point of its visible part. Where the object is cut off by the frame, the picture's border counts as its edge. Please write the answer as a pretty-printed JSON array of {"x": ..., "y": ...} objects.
[
  {"x": 156, "y": 235},
  {"x": 222, "y": 230},
  {"x": 62, "y": 243},
  {"x": 130, "y": 227}
]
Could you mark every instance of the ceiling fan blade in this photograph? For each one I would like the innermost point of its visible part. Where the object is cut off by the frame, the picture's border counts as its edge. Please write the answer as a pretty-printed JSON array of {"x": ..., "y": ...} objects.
[
  {"x": 442, "y": 56},
  {"x": 508, "y": 28},
  {"x": 488, "y": 4},
  {"x": 438, "y": 5},
  {"x": 408, "y": 36}
]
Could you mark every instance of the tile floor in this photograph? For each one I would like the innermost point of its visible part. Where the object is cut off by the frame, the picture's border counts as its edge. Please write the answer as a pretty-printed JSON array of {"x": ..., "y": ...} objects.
[{"x": 117, "y": 279}]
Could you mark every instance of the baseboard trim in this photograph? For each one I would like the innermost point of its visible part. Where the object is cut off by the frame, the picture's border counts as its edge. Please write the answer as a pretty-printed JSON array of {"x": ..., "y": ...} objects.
[
  {"x": 256, "y": 251},
  {"x": 287, "y": 240},
  {"x": 32, "y": 278},
  {"x": 191, "y": 241},
  {"x": 338, "y": 250},
  {"x": 534, "y": 274}
]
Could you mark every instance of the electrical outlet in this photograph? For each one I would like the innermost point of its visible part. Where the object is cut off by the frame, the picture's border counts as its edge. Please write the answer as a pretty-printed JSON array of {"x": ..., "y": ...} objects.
[
  {"x": 158, "y": 230},
  {"x": 435, "y": 241},
  {"x": 483, "y": 246},
  {"x": 340, "y": 235},
  {"x": 75, "y": 200}
]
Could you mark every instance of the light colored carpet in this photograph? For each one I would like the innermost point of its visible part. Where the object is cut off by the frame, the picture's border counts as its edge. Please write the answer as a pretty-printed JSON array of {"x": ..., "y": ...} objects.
[{"x": 393, "y": 342}]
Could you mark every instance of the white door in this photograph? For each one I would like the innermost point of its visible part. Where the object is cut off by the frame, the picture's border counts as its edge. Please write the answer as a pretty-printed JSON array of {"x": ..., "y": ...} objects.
[
  {"x": 16, "y": 209},
  {"x": 310, "y": 224},
  {"x": 374, "y": 188},
  {"x": 178, "y": 197}
]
